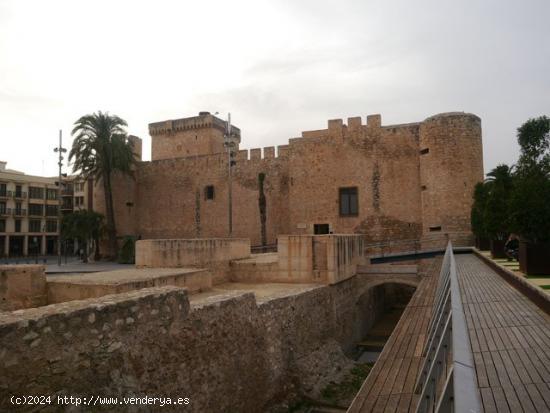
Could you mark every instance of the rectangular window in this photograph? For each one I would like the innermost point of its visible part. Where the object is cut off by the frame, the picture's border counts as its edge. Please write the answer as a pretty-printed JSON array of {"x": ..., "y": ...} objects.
[
  {"x": 51, "y": 210},
  {"x": 3, "y": 208},
  {"x": 424, "y": 151},
  {"x": 435, "y": 229},
  {"x": 209, "y": 192},
  {"x": 35, "y": 225},
  {"x": 51, "y": 226},
  {"x": 36, "y": 210},
  {"x": 3, "y": 190},
  {"x": 36, "y": 192},
  {"x": 18, "y": 191},
  {"x": 51, "y": 194},
  {"x": 349, "y": 205},
  {"x": 17, "y": 225},
  {"x": 2, "y": 228},
  {"x": 319, "y": 229}
]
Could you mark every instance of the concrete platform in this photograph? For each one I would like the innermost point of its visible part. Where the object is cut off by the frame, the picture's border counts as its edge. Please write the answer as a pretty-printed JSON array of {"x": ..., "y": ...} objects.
[{"x": 62, "y": 288}]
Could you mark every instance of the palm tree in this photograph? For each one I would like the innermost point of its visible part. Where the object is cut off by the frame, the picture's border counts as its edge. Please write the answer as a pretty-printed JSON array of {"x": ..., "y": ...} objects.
[{"x": 100, "y": 148}]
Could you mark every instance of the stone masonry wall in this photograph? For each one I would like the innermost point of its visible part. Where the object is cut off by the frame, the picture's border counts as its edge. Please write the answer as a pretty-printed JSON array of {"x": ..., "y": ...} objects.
[
  {"x": 228, "y": 353},
  {"x": 403, "y": 192}
]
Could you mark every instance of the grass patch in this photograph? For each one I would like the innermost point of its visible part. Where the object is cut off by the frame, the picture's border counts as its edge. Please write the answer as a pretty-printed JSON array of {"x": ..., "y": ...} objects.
[
  {"x": 349, "y": 386},
  {"x": 538, "y": 276},
  {"x": 545, "y": 287}
]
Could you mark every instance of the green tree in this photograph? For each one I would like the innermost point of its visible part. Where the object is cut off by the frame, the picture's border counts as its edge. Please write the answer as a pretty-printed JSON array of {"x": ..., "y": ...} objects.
[
  {"x": 497, "y": 208},
  {"x": 84, "y": 226},
  {"x": 101, "y": 148},
  {"x": 479, "y": 207},
  {"x": 530, "y": 203},
  {"x": 490, "y": 215},
  {"x": 534, "y": 141}
]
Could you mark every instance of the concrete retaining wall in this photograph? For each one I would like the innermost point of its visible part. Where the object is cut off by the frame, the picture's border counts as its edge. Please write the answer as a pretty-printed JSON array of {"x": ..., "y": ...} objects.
[
  {"x": 327, "y": 259},
  {"x": 212, "y": 253}
]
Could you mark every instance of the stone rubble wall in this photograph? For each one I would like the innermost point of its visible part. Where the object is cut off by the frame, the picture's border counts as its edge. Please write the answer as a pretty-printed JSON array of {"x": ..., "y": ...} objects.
[{"x": 226, "y": 353}]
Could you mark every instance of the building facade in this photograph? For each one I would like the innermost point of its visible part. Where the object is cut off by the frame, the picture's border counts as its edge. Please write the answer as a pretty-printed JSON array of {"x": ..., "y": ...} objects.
[
  {"x": 29, "y": 223},
  {"x": 389, "y": 182},
  {"x": 28, "y": 213}
]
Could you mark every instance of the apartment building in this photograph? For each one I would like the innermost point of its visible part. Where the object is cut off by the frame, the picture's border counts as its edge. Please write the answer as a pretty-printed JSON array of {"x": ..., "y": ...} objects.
[{"x": 28, "y": 213}]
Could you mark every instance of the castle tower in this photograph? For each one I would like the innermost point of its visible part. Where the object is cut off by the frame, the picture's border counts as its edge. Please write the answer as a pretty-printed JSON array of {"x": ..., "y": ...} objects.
[
  {"x": 197, "y": 135},
  {"x": 451, "y": 163}
]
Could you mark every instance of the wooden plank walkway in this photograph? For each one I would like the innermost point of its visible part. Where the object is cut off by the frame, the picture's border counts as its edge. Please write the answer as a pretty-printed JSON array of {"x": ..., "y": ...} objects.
[
  {"x": 390, "y": 385},
  {"x": 509, "y": 334},
  {"x": 510, "y": 338}
]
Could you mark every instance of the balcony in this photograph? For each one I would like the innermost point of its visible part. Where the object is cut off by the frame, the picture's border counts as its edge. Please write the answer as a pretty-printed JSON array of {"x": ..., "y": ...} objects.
[
  {"x": 37, "y": 214},
  {"x": 19, "y": 195},
  {"x": 19, "y": 212},
  {"x": 5, "y": 194},
  {"x": 66, "y": 207},
  {"x": 4, "y": 212},
  {"x": 34, "y": 195},
  {"x": 67, "y": 192}
]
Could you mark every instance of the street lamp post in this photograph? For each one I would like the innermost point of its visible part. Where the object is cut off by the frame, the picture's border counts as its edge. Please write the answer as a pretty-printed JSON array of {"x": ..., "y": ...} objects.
[
  {"x": 230, "y": 145},
  {"x": 60, "y": 150}
]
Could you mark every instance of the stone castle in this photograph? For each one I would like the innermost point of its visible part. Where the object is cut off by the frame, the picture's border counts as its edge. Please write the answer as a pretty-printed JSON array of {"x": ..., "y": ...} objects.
[{"x": 389, "y": 182}]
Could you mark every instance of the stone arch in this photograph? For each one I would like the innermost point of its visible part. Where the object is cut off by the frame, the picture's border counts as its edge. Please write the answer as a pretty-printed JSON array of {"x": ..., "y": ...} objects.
[{"x": 372, "y": 282}]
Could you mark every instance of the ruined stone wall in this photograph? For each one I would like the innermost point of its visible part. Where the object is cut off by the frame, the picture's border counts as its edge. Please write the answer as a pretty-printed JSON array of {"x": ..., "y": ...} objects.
[{"x": 228, "y": 353}]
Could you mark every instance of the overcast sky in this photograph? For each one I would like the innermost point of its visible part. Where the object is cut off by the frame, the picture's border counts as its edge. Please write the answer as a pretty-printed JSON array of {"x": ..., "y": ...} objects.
[{"x": 279, "y": 66}]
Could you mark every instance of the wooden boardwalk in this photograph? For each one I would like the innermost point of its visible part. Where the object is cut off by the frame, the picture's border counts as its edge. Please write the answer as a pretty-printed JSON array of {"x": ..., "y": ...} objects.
[
  {"x": 510, "y": 338},
  {"x": 390, "y": 384},
  {"x": 509, "y": 334}
]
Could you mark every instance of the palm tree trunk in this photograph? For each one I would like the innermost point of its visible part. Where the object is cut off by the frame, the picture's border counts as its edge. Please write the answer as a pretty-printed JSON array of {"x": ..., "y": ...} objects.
[{"x": 111, "y": 229}]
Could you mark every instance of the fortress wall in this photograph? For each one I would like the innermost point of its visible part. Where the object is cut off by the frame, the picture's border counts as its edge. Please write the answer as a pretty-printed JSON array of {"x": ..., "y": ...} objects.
[
  {"x": 124, "y": 202},
  {"x": 153, "y": 342},
  {"x": 451, "y": 165},
  {"x": 382, "y": 162},
  {"x": 401, "y": 192},
  {"x": 171, "y": 200},
  {"x": 199, "y": 135}
]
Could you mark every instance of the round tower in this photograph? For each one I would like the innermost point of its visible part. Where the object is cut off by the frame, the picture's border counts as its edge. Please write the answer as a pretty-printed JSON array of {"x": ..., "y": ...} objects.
[{"x": 451, "y": 163}]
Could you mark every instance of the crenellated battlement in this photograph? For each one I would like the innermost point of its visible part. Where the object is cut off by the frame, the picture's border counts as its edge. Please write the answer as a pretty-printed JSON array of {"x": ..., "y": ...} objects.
[
  {"x": 258, "y": 154},
  {"x": 203, "y": 121}
]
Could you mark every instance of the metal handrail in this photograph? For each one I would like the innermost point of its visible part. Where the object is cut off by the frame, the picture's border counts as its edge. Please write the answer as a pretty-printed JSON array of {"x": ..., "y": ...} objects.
[{"x": 447, "y": 379}]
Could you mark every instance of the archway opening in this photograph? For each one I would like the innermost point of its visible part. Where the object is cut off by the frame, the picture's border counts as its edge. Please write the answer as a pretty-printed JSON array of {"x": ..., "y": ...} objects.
[{"x": 390, "y": 300}]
